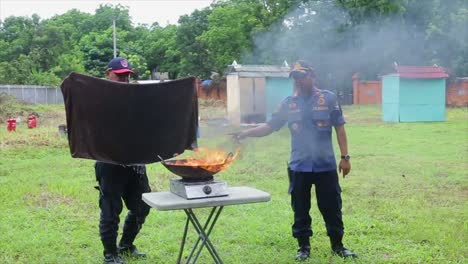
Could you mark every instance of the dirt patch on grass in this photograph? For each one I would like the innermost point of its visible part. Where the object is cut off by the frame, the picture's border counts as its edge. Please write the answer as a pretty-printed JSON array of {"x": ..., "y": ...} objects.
[
  {"x": 36, "y": 138},
  {"x": 211, "y": 103},
  {"x": 46, "y": 199},
  {"x": 10, "y": 107},
  {"x": 161, "y": 182},
  {"x": 52, "y": 118},
  {"x": 442, "y": 174},
  {"x": 209, "y": 109}
]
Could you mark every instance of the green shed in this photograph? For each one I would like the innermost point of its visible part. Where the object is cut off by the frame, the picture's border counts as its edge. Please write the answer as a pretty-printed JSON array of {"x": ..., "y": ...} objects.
[{"x": 414, "y": 94}]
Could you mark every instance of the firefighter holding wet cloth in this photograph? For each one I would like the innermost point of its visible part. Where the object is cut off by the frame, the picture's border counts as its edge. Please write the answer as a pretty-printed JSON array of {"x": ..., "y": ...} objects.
[{"x": 310, "y": 114}]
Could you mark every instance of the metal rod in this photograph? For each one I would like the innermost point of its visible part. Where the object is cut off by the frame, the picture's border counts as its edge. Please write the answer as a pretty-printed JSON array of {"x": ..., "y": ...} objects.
[{"x": 161, "y": 158}]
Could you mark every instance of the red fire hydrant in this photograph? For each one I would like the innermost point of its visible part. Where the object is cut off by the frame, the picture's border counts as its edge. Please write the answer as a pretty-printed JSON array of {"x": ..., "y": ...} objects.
[
  {"x": 11, "y": 124},
  {"x": 32, "y": 121}
]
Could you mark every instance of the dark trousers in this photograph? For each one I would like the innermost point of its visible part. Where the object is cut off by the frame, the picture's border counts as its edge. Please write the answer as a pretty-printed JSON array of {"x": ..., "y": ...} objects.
[
  {"x": 117, "y": 183},
  {"x": 328, "y": 195}
]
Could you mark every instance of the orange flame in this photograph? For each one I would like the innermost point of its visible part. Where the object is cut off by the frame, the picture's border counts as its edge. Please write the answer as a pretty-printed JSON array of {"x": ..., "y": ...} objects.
[{"x": 213, "y": 160}]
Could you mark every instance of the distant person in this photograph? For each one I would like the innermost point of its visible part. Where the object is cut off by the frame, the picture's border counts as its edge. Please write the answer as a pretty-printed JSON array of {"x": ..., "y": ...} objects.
[
  {"x": 117, "y": 183},
  {"x": 310, "y": 114}
]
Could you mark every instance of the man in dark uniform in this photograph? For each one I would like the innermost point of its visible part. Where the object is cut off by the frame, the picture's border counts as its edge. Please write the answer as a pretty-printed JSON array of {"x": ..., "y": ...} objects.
[
  {"x": 117, "y": 183},
  {"x": 310, "y": 114}
]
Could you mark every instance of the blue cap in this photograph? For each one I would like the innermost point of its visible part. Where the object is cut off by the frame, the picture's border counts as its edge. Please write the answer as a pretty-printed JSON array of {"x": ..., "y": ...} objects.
[
  {"x": 120, "y": 65},
  {"x": 301, "y": 69}
]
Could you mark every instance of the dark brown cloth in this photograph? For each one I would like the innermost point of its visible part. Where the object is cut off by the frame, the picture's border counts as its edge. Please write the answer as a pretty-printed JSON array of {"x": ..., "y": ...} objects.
[{"x": 125, "y": 123}]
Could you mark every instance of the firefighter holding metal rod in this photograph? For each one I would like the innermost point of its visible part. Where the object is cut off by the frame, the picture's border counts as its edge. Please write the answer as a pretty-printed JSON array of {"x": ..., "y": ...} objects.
[{"x": 310, "y": 114}]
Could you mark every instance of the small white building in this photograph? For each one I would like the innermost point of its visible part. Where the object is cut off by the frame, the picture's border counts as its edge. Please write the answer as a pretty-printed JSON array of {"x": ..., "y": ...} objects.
[{"x": 255, "y": 91}]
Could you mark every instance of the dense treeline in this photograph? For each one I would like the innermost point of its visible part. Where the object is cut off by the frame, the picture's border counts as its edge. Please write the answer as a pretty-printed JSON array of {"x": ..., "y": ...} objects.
[{"x": 338, "y": 36}]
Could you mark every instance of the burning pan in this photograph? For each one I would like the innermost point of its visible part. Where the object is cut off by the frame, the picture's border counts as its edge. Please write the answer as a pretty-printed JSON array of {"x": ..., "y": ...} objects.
[
  {"x": 189, "y": 172},
  {"x": 193, "y": 172}
]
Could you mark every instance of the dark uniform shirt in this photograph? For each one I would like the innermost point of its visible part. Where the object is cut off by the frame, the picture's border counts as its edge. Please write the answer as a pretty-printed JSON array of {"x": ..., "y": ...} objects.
[{"x": 310, "y": 122}]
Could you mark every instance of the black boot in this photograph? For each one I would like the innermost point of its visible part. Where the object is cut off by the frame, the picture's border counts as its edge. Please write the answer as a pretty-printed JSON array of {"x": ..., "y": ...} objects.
[
  {"x": 113, "y": 258},
  {"x": 339, "y": 249},
  {"x": 131, "y": 251},
  {"x": 111, "y": 254},
  {"x": 131, "y": 228},
  {"x": 303, "y": 252}
]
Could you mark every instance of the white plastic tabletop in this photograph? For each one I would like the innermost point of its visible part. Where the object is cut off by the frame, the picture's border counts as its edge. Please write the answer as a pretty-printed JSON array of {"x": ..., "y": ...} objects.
[{"x": 237, "y": 195}]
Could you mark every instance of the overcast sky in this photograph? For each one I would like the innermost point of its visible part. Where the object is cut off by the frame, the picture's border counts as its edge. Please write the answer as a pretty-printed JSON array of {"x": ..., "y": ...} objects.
[{"x": 141, "y": 11}]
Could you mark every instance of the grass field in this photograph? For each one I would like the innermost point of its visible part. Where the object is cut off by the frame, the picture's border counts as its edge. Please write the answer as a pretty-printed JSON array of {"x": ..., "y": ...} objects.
[{"x": 405, "y": 200}]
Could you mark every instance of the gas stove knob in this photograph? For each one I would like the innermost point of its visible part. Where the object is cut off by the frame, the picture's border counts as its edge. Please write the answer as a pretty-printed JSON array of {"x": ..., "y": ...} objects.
[{"x": 207, "y": 189}]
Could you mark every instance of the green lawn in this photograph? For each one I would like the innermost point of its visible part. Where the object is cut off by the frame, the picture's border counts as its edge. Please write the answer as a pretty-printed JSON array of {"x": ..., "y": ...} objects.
[{"x": 405, "y": 200}]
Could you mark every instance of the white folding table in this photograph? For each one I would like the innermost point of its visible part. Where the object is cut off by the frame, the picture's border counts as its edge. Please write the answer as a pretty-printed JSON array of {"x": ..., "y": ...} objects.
[{"x": 165, "y": 201}]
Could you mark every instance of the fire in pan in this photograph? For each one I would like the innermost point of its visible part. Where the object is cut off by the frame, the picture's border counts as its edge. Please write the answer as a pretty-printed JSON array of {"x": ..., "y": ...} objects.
[{"x": 202, "y": 167}]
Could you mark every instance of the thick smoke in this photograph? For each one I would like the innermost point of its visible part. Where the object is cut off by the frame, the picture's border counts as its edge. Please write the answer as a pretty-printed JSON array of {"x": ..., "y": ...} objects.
[{"x": 326, "y": 36}]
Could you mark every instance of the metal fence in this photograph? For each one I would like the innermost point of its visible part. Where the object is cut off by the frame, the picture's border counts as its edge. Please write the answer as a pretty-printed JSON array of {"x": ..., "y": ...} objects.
[{"x": 34, "y": 94}]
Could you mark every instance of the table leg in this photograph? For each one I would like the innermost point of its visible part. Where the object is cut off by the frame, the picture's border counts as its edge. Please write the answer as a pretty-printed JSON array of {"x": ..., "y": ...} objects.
[
  {"x": 206, "y": 240},
  {"x": 203, "y": 235},
  {"x": 181, "y": 250}
]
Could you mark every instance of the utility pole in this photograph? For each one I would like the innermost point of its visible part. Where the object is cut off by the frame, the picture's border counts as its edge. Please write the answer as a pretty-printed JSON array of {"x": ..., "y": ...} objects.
[{"x": 115, "y": 39}]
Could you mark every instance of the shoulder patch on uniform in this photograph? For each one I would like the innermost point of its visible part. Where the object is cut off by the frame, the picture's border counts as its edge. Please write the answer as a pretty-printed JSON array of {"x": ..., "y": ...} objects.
[{"x": 327, "y": 92}]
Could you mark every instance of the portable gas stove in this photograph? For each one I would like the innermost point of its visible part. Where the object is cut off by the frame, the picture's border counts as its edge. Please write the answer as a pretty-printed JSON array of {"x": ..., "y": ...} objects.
[
  {"x": 198, "y": 189},
  {"x": 197, "y": 182}
]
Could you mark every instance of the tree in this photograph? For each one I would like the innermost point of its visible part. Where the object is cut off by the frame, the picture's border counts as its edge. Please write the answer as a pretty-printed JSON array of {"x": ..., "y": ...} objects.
[
  {"x": 106, "y": 13},
  {"x": 361, "y": 11},
  {"x": 72, "y": 61},
  {"x": 18, "y": 32},
  {"x": 339, "y": 37},
  {"x": 98, "y": 50},
  {"x": 161, "y": 52},
  {"x": 139, "y": 66},
  {"x": 195, "y": 59},
  {"x": 230, "y": 28}
]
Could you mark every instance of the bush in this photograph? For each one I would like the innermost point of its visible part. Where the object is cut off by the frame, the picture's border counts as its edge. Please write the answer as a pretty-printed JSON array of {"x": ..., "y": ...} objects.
[
  {"x": 5, "y": 105},
  {"x": 11, "y": 107}
]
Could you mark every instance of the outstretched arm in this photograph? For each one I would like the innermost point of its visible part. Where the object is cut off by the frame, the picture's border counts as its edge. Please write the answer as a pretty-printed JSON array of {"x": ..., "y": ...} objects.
[{"x": 260, "y": 131}]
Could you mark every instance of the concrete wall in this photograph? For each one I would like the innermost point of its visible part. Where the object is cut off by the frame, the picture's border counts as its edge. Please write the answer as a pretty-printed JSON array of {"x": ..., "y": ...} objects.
[
  {"x": 34, "y": 94},
  {"x": 457, "y": 92},
  {"x": 246, "y": 99},
  {"x": 252, "y": 99},
  {"x": 366, "y": 92},
  {"x": 233, "y": 100},
  {"x": 215, "y": 92}
]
